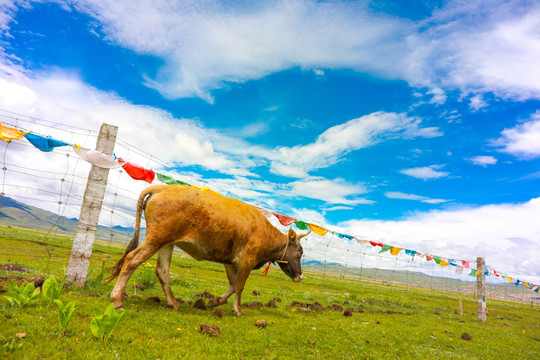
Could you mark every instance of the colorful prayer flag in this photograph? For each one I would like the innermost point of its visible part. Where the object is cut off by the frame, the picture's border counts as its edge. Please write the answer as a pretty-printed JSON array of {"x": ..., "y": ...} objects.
[
  {"x": 8, "y": 133},
  {"x": 318, "y": 230},
  {"x": 345, "y": 236},
  {"x": 385, "y": 248},
  {"x": 46, "y": 144},
  {"x": 98, "y": 158},
  {"x": 301, "y": 224},
  {"x": 169, "y": 180},
  {"x": 284, "y": 219},
  {"x": 137, "y": 172},
  {"x": 395, "y": 250}
]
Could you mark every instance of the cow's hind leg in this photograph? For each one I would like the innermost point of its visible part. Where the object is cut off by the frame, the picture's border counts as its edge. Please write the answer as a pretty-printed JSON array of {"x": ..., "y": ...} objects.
[
  {"x": 162, "y": 271},
  {"x": 131, "y": 262},
  {"x": 231, "y": 275}
]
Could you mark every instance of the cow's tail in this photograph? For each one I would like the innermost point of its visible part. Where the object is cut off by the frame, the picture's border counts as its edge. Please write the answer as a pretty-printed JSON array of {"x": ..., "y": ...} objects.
[{"x": 141, "y": 206}]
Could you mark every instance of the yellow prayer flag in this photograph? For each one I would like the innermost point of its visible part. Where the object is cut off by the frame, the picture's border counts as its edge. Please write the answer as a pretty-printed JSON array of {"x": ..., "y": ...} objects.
[
  {"x": 395, "y": 250},
  {"x": 509, "y": 279},
  {"x": 444, "y": 263},
  {"x": 478, "y": 272},
  {"x": 9, "y": 133},
  {"x": 317, "y": 229}
]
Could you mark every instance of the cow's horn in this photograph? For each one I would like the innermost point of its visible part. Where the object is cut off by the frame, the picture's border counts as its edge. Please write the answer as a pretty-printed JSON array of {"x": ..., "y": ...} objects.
[{"x": 301, "y": 235}]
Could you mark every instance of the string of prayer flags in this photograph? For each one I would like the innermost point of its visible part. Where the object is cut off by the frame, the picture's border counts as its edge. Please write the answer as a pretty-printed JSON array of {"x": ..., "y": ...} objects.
[
  {"x": 8, "y": 133},
  {"x": 47, "y": 144},
  {"x": 318, "y": 229},
  {"x": 169, "y": 180},
  {"x": 98, "y": 158},
  {"x": 137, "y": 172},
  {"x": 301, "y": 225},
  {"x": 43, "y": 143},
  {"x": 284, "y": 219}
]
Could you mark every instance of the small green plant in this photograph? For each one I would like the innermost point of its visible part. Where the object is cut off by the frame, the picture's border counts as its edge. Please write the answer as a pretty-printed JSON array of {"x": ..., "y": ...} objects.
[
  {"x": 103, "y": 323},
  {"x": 51, "y": 290},
  {"x": 97, "y": 281},
  {"x": 21, "y": 296},
  {"x": 64, "y": 314},
  {"x": 12, "y": 345}
]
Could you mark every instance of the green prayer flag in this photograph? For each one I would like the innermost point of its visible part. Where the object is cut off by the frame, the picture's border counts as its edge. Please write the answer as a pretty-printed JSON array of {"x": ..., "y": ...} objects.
[
  {"x": 385, "y": 248},
  {"x": 169, "y": 180},
  {"x": 437, "y": 259},
  {"x": 473, "y": 272},
  {"x": 301, "y": 225}
]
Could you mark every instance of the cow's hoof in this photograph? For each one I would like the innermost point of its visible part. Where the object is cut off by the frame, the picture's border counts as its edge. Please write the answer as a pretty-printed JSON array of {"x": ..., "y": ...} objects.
[
  {"x": 238, "y": 313},
  {"x": 215, "y": 302}
]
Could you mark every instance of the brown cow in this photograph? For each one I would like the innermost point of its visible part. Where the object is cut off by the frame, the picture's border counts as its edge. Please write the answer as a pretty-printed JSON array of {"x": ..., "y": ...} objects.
[{"x": 210, "y": 227}]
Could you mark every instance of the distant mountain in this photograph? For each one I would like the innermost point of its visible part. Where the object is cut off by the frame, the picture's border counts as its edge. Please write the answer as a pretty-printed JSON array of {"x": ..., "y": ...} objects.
[
  {"x": 17, "y": 214},
  {"x": 316, "y": 262}
]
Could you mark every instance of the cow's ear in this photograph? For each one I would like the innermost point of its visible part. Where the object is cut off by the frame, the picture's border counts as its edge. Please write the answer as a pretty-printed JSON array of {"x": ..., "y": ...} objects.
[{"x": 292, "y": 236}]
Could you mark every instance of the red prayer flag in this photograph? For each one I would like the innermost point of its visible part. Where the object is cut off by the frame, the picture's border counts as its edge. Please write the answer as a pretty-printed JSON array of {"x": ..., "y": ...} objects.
[
  {"x": 138, "y": 172},
  {"x": 284, "y": 219},
  {"x": 373, "y": 243},
  {"x": 465, "y": 264},
  {"x": 429, "y": 257}
]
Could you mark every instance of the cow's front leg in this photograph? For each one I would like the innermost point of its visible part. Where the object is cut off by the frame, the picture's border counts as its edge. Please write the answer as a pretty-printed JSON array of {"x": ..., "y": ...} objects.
[
  {"x": 241, "y": 277},
  {"x": 231, "y": 275}
]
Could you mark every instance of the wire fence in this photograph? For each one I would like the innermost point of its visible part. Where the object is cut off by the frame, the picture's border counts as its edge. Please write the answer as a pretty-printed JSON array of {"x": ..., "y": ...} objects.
[{"x": 43, "y": 191}]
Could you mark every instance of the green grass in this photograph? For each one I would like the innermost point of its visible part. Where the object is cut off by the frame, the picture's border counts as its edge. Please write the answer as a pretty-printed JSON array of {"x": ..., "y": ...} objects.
[{"x": 396, "y": 323}]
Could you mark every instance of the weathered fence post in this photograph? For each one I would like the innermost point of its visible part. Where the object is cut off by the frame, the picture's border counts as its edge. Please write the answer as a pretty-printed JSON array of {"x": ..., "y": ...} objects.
[
  {"x": 481, "y": 290},
  {"x": 83, "y": 242}
]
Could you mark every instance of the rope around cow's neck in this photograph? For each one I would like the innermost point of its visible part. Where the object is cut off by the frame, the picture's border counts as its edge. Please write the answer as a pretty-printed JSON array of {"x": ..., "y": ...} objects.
[{"x": 265, "y": 271}]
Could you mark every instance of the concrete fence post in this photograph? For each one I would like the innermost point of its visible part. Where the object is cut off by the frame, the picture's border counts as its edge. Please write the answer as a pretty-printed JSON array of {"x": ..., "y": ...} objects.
[
  {"x": 481, "y": 309},
  {"x": 83, "y": 242}
]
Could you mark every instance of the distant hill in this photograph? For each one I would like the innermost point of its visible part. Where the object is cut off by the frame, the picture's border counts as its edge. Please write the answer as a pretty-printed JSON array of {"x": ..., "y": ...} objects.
[
  {"x": 316, "y": 262},
  {"x": 17, "y": 214}
]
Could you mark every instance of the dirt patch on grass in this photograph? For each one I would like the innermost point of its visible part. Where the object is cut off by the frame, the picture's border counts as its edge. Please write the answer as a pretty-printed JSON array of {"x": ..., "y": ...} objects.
[
  {"x": 210, "y": 330},
  {"x": 14, "y": 268},
  {"x": 4, "y": 282},
  {"x": 200, "y": 304}
]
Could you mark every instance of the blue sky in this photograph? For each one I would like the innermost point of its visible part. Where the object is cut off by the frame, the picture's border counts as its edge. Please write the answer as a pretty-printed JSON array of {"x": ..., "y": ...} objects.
[{"x": 418, "y": 125}]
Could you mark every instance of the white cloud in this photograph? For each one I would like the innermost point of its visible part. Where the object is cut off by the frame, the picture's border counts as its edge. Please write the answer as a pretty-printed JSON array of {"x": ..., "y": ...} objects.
[
  {"x": 483, "y": 160},
  {"x": 522, "y": 140},
  {"x": 477, "y": 102},
  {"x": 504, "y": 234},
  {"x": 439, "y": 96},
  {"x": 337, "y": 141},
  {"x": 404, "y": 196},
  {"x": 337, "y": 191},
  {"x": 426, "y": 172}
]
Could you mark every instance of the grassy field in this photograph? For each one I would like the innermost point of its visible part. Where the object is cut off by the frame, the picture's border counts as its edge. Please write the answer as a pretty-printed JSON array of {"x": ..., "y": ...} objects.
[{"x": 387, "y": 322}]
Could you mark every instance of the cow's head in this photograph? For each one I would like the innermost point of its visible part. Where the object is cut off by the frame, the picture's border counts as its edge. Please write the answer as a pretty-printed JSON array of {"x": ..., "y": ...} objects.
[{"x": 293, "y": 255}]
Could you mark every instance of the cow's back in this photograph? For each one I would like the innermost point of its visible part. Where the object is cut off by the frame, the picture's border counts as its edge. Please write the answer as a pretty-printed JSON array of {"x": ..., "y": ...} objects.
[{"x": 205, "y": 224}]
